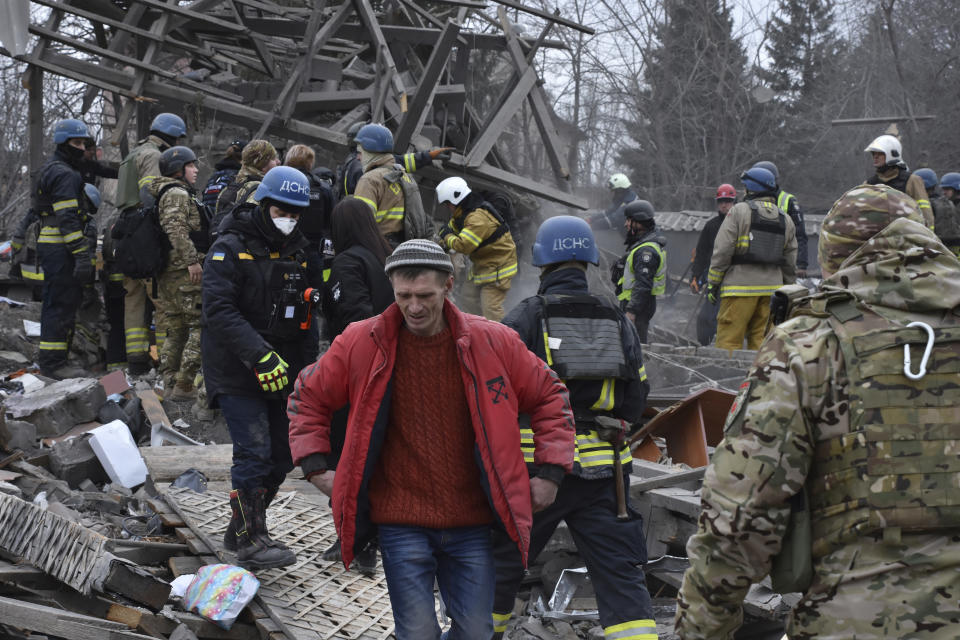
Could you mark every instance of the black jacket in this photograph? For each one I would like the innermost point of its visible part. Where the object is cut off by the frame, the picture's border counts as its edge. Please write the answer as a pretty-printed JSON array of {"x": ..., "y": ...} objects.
[
  {"x": 630, "y": 396},
  {"x": 793, "y": 210},
  {"x": 315, "y": 223},
  {"x": 701, "y": 261},
  {"x": 243, "y": 276},
  {"x": 225, "y": 172},
  {"x": 646, "y": 263},
  {"x": 58, "y": 201},
  {"x": 358, "y": 289}
]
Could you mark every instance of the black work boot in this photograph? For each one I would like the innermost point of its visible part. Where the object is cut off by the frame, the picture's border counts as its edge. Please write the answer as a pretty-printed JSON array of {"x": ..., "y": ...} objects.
[
  {"x": 255, "y": 549},
  {"x": 367, "y": 559}
]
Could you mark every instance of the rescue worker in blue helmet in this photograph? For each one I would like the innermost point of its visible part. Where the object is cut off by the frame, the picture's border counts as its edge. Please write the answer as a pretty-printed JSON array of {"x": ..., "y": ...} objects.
[
  {"x": 64, "y": 252},
  {"x": 950, "y": 186},
  {"x": 257, "y": 313},
  {"x": 754, "y": 254},
  {"x": 641, "y": 274},
  {"x": 789, "y": 205},
  {"x": 595, "y": 350},
  {"x": 946, "y": 222}
]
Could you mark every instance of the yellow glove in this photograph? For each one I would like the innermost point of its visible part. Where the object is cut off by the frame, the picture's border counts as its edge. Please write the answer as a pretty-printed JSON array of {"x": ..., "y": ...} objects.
[{"x": 271, "y": 371}]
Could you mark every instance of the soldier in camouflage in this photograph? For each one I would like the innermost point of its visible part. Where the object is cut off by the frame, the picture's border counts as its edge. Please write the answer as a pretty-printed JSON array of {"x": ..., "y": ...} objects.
[
  {"x": 828, "y": 412},
  {"x": 178, "y": 286}
]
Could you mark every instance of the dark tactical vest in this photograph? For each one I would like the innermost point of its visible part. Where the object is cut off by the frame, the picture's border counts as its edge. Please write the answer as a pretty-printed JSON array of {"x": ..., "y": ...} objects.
[
  {"x": 899, "y": 183},
  {"x": 898, "y": 468},
  {"x": 766, "y": 237},
  {"x": 581, "y": 339}
]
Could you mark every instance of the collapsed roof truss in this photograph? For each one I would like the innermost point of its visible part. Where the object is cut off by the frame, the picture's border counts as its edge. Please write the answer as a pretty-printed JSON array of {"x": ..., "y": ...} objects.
[{"x": 310, "y": 70}]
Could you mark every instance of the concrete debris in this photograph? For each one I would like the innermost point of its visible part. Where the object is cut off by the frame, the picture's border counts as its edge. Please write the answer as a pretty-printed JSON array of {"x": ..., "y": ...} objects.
[
  {"x": 59, "y": 406},
  {"x": 74, "y": 460}
]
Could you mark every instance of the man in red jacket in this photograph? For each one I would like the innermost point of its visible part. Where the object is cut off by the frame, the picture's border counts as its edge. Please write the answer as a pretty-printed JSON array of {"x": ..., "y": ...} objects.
[{"x": 432, "y": 459}]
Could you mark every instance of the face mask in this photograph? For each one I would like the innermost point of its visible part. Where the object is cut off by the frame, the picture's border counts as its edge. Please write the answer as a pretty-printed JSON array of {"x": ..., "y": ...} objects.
[{"x": 285, "y": 225}]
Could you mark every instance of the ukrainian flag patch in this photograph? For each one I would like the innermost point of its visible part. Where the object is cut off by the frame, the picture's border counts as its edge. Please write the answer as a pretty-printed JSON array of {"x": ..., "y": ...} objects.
[{"x": 218, "y": 256}]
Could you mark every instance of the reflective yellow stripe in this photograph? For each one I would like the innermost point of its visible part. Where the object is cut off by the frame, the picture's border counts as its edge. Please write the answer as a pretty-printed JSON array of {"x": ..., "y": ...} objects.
[
  {"x": 373, "y": 205},
  {"x": 244, "y": 256},
  {"x": 471, "y": 237},
  {"x": 53, "y": 346},
  {"x": 326, "y": 275},
  {"x": 274, "y": 255},
  {"x": 746, "y": 290},
  {"x": 605, "y": 401},
  {"x": 73, "y": 236},
  {"x": 410, "y": 162},
  {"x": 116, "y": 277},
  {"x": 396, "y": 213},
  {"x": 643, "y": 373},
  {"x": 546, "y": 348},
  {"x": 506, "y": 272},
  {"x": 526, "y": 444},
  {"x": 29, "y": 272},
  {"x": 500, "y": 621},
  {"x": 632, "y": 630},
  {"x": 145, "y": 180},
  {"x": 65, "y": 204}
]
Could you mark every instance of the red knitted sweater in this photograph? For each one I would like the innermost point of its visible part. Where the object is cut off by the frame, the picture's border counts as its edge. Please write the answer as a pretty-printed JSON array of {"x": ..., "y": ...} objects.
[{"x": 427, "y": 474}]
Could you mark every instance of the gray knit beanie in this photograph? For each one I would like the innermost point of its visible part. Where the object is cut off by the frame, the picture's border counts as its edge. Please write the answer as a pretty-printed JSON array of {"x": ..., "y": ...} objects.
[{"x": 419, "y": 253}]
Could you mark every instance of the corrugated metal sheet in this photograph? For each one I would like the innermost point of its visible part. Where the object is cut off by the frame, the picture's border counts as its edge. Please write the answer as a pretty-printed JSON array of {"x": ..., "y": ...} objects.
[{"x": 693, "y": 221}]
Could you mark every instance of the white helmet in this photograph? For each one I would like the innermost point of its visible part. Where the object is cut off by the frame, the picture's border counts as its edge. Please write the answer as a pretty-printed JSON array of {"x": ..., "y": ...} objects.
[
  {"x": 618, "y": 181},
  {"x": 452, "y": 190},
  {"x": 889, "y": 146}
]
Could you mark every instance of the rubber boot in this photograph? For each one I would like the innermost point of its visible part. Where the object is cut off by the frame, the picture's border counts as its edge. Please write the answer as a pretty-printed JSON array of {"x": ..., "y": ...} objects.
[
  {"x": 236, "y": 521},
  {"x": 333, "y": 553},
  {"x": 230, "y": 535},
  {"x": 367, "y": 559},
  {"x": 255, "y": 549}
]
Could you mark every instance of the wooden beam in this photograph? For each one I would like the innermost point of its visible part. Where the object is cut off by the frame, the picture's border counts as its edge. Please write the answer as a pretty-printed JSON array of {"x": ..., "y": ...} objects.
[
  {"x": 269, "y": 64},
  {"x": 427, "y": 87},
  {"x": 498, "y": 121},
  {"x": 117, "y": 43},
  {"x": 553, "y": 17},
  {"x": 538, "y": 101},
  {"x": 848, "y": 121},
  {"x": 73, "y": 626},
  {"x": 127, "y": 60},
  {"x": 389, "y": 69},
  {"x": 242, "y": 115}
]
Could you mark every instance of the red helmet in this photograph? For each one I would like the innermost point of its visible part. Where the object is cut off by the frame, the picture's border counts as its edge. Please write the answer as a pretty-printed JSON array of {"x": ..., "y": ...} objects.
[{"x": 726, "y": 192}]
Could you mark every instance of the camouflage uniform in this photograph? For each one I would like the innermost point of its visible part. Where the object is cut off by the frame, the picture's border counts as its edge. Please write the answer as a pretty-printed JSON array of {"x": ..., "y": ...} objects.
[
  {"x": 178, "y": 301},
  {"x": 791, "y": 427}
]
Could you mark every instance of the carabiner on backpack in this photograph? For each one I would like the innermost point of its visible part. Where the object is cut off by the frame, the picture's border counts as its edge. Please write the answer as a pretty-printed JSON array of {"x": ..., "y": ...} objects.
[{"x": 926, "y": 353}]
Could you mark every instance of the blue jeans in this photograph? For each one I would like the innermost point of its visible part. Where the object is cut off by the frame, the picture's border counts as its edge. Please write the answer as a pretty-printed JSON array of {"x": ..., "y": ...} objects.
[
  {"x": 460, "y": 559},
  {"x": 259, "y": 428}
]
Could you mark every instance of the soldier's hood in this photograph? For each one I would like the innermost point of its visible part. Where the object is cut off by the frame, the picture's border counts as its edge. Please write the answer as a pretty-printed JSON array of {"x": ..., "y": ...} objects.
[
  {"x": 246, "y": 171},
  {"x": 905, "y": 267},
  {"x": 162, "y": 181}
]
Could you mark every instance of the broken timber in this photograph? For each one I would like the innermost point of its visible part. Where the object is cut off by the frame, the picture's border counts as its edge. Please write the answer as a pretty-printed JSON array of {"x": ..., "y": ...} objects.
[
  {"x": 73, "y": 554},
  {"x": 307, "y": 67}
]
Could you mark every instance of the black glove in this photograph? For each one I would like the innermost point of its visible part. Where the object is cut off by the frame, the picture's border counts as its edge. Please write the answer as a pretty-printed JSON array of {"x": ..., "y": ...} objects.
[{"x": 83, "y": 268}]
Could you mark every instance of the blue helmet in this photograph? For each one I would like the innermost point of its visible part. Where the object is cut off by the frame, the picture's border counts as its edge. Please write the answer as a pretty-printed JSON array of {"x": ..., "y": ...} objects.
[
  {"x": 93, "y": 195},
  {"x": 929, "y": 178},
  {"x": 758, "y": 180},
  {"x": 376, "y": 138},
  {"x": 951, "y": 181},
  {"x": 284, "y": 184},
  {"x": 169, "y": 124},
  {"x": 564, "y": 238},
  {"x": 70, "y": 128}
]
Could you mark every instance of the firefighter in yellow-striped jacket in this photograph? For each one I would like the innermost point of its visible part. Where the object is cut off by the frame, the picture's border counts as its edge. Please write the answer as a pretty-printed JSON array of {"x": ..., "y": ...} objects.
[
  {"x": 477, "y": 230},
  {"x": 591, "y": 345},
  {"x": 64, "y": 251},
  {"x": 754, "y": 254}
]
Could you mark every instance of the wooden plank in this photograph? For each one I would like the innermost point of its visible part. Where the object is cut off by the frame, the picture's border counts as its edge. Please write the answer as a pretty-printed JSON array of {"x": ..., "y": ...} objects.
[
  {"x": 137, "y": 584},
  {"x": 184, "y": 565},
  {"x": 497, "y": 122},
  {"x": 668, "y": 480},
  {"x": 427, "y": 86},
  {"x": 166, "y": 463},
  {"x": 62, "y": 623},
  {"x": 553, "y": 17}
]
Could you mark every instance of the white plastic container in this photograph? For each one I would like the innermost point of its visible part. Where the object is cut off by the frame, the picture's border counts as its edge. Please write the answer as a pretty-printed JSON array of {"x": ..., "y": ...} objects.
[{"x": 118, "y": 454}]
